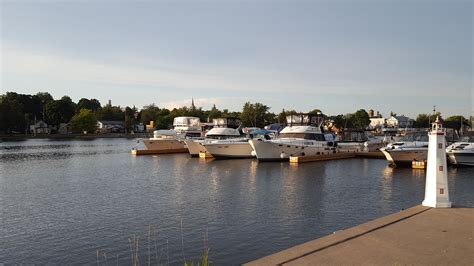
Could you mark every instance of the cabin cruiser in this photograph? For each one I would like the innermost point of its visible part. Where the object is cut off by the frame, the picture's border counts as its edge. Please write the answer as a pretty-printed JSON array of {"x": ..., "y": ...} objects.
[
  {"x": 233, "y": 148},
  {"x": 302, "y": 137},
  {"x": 411, "y": 147},
  {"x": 351, "y": 140},
  {"x": 171, "y": 141},
  {"x": 224, "y": 128},
  {"x": 166, "y": 141},
  {"x": 462, "y": 152}
]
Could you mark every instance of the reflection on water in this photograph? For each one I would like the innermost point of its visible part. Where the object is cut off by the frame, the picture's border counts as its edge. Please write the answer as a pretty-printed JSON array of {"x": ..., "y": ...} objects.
[{"x": 61, "y": 200}]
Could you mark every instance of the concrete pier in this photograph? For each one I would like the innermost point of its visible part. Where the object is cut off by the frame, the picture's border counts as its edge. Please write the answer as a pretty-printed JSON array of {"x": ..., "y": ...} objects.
[{"x": 416, "y": 236}]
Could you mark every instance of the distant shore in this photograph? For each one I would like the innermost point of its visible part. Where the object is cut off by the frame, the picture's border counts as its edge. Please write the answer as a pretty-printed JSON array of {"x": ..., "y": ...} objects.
[{"x": 17, "y": 137}]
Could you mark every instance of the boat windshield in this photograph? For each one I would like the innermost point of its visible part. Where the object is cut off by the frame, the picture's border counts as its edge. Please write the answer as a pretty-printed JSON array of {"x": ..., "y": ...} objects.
[
  {"x": 318, "y": 137},
  {"x": 422, "y": 136}
]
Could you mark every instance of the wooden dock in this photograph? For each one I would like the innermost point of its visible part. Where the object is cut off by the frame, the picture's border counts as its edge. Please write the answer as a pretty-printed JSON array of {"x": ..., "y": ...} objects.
[
  {"x": 322, "y": 157},
  {"x": 336, "y": 156},
  {"x": 371, "y": 155},
  {"x": 415, "y": 236},
  {"x": 151, "y": 152}
]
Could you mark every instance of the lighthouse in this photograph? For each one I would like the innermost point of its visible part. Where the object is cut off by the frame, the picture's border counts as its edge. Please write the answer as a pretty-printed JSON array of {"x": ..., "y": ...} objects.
[{"x": 436, "y": 188}]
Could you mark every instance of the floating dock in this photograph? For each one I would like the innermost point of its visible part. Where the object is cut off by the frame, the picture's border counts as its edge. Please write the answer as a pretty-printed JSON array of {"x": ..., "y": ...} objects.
[
  {"x": 322, "y": 157},
  {"x": 151, "y": 152},
  {"x": 415, "y": 236},
  {"x": 336, "y": 156},
  {"x": 205, "y": 155}
]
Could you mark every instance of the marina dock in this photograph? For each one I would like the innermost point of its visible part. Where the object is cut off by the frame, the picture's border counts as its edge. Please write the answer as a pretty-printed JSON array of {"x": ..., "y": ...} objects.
[
  {"x": 337, "y": 156},
  {"x": 416, "y": 236},
  {"x": 151, "y": 152}
]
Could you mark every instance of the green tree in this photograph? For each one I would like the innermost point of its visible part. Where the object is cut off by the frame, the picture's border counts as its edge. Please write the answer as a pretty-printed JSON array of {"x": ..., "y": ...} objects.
[
  {"x": 422, "y": 121},
  {"x": 44, "y": 98},
  {"x": 92, "y": 104},
  {"x": 149, "y": 113},
  {"x": 130, "y": 119},
  {"x": 457, "y": 118},
  {"x": 214, "y": 113},
  {"x": 85, "y": 120},
  {"x": 360, "y": 119},
  {"x": 60, "y": 111},
  {"x": 255, "y": 115},
  {"x": 11, "y": 115},
  {"x": 111, "y": 113},
  {"x": 341, "y": 121}
]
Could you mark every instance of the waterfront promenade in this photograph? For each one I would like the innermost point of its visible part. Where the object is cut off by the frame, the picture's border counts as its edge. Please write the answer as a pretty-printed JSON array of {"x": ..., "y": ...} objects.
[{"x": 415, "y": 236}]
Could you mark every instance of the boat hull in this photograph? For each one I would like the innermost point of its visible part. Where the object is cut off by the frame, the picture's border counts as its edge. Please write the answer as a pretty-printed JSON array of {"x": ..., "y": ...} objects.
[
  {"x": 405, "y": 157},
  {"x": 281, "y": 151},
  {"x": 166, "y": 145},
  {"x": 230, "y": 150},
  {"x": 461, "y": 158}
]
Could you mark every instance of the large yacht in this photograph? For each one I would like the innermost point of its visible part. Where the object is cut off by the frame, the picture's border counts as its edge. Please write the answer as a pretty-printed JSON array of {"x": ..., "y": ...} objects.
[
  {"x": 303, "y": 136},
  {"x": 413, "y": 146},
  {"x": 462, "y": 152},
  {"x": 224, "y": 128},
  {"x": 171, "y": 141}
]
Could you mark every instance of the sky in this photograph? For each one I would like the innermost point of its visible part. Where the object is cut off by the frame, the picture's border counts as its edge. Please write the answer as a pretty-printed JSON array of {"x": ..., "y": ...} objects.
[{"x": 338, "y": 56}]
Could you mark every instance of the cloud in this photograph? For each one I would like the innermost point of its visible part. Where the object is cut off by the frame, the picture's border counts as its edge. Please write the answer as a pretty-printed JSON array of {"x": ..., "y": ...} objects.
[{"x": 30, "y": 64}]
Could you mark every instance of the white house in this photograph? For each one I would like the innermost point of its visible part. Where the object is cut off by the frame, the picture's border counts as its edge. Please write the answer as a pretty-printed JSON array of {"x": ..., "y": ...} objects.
[
  {"x": 377, "y": 122},
  {"x": 400, "y": 121},
  {"x": 40, "y": 127},
  {"x": 110, "y": 126}
]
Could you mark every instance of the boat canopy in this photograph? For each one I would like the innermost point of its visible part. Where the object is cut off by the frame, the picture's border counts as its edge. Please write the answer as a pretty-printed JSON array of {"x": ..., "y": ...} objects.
[
  {"x": 305, "y": 119},
  {"x": 261, "y": 132},
  {"x": 185, "y": 121},
  {"x": 230, "y": 122}
]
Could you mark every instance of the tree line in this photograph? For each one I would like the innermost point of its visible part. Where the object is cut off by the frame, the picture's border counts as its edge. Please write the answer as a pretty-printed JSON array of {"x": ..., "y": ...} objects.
[{"x": 18, "y": 111}]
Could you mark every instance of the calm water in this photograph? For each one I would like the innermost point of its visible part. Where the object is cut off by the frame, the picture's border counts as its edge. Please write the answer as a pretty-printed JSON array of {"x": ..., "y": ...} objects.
[{"x": 60, "y": 201}]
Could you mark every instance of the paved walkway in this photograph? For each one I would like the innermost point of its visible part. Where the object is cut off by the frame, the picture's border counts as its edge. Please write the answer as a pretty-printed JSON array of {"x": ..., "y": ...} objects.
[{"x": 416, "y": 236}]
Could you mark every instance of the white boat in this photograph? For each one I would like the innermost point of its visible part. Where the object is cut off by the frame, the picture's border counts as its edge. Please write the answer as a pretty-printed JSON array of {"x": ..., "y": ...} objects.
[
  {"x": 302, "y": 137},
  {"x": 229, "y": 148},
  {"x": 165, "y": 140},
  {"x": 224, "y": 128},
  {"x": 171, "y": 140},
  {"x": 413, "y": 146},
  {"x": 233, "y": 148},
  {"x": 462, "y": 152},
  {"x": 187, "y": 127}
]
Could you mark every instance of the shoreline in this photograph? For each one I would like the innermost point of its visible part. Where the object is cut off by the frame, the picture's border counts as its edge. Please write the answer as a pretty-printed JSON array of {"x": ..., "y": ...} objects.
[{"x": 21, "y": 137}]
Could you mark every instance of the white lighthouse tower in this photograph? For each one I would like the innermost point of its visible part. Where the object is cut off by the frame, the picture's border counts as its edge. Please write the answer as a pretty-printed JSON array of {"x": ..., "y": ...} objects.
[{"x": 436, "y": 188}]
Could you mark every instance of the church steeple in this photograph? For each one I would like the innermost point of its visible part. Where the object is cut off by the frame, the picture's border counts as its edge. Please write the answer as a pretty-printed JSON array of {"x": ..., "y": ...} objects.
[{"x": 193, "y": 107}]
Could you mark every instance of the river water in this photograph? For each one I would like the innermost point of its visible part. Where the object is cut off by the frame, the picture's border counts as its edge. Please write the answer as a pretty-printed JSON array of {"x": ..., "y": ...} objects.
[{"x": 63, "y": 200}]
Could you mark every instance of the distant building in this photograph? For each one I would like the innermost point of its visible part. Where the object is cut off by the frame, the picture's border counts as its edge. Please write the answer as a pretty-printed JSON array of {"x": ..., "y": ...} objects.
[
  {"x": 40, "y": 127},
  {"x": 140, "y": 127},
  {"x": 400, "y": 121},
  {"x": 64, "y": 128},
  {"x": 110, "y": 126},
  {"x": 150, "y": 127},
  {"x": 377, "y": 122}
]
